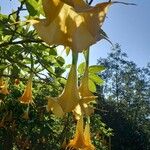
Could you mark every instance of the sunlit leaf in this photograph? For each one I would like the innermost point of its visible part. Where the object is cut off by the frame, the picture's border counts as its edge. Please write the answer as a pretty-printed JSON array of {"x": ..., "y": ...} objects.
[
  {"x": 96, "y": 79},
  {"x": 92, "y": 86},
  {"x": 60, "y": 60},
  {"x": 34, "y": 7},
  {"x": 81, "y": 68},
  {"x": 96, "y": 69}
]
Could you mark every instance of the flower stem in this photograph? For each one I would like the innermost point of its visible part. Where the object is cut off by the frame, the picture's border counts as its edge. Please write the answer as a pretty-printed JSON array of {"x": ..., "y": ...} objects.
[
  {"x": 32, "y": 62},
  {"x": 86, "y": 55},
  {"x": 87, "y": 52},
  {"x": 74, "y": 58}
]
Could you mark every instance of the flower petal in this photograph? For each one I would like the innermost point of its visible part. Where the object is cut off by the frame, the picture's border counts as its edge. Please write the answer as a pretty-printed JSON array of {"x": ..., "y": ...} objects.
[
  {"x": 86, "y": 96},
  {"x": 4, "y": 88},
  {"x": 26, "y": 98},
  {"x": 77, "y": 112},
  {"x": 78, "y": 5},
  {"x": 49, "y": 7},
  {"x": 54, "y": 107},
  {"x": 87, "y": 136},
  {"x": 68, "y": 27},
  {"x": 78, "y": 141},
  {"x": 68, "y": 100}
]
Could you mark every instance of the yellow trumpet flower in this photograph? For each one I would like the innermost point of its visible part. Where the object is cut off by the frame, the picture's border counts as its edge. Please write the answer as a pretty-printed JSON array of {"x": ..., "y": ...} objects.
[
  {"x": 3, "y": 87},
  {"x": 26, "y": 98},
  {"x": 55, "y": 107},
  {"x": 81, "y": 140},
  {"x": 71, "y": 23},
  {"x": 69, "y": 98},
  {"x": 26, "y": 115},
  {"x": 87, "y": 97},
  {"x": 87, "y": 137}
]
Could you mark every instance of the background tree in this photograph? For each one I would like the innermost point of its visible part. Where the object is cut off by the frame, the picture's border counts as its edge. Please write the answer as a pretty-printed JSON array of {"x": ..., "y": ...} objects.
[{"x": 126, "y": 100}]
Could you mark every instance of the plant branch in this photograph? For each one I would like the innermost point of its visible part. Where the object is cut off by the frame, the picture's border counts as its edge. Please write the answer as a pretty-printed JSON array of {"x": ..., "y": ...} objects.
[
  {"x": 20, "y": 42},
  {"x": 17, "y": 19}
]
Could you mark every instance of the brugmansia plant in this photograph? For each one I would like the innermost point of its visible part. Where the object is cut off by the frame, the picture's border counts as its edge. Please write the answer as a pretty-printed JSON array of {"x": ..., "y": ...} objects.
[{"x": 26, "y": 103}]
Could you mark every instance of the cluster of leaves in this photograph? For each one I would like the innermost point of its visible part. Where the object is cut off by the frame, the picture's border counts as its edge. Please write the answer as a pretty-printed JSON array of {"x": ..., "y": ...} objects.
[
  {"x": 94, "y": 78},
  {"x": 22, "y": 52},
  {"x": 43, "y": 130}
]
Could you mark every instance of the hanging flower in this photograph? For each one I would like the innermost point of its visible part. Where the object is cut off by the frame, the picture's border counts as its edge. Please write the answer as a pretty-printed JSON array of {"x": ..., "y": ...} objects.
[
  {"x": 26, "y": 98},
  {"x": 87, "y": 97},
  {"x": 6, "y": 118},
  {"x": 81, "y": 140},
  {"x": 69, "y": 98},
  {"x": 87, "y": 136},
  {"x": 71, "y": 23},
  {"x": 55, "y": 107},
  {"x": 26, "y": 114},
  {"x": 3, "y": 87}
]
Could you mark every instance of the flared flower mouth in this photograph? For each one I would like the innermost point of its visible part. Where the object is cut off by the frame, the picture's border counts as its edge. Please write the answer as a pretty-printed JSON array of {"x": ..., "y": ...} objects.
[
  {"x": 69, "y": 98},
  {"x": 84, "y": 91},
  {"x": 81, "y": 140},
  {"x": 26, "y": 98},
  {"x": 71, "y": 23},
  {"x": 55, "y": 107},
  {"x": 86, "y": 96},
  {"x": 87, "y": 136}
]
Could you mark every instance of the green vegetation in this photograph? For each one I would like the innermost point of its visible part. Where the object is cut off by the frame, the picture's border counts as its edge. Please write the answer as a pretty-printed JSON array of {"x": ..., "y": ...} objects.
[{"x": 121, "y": 120}]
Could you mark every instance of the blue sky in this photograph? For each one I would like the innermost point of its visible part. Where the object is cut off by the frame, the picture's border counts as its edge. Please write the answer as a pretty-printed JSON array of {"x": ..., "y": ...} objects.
[
  {"x": 130, "y": 27},
  {"x": 127, "y": 25}
]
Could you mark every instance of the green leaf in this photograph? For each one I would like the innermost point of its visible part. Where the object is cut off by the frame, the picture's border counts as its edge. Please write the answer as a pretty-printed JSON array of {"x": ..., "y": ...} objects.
[
  {"x": 53, "y": 52},
  {"x": 81, "y": 68},
  {"x": 15, "y": 70},
  {"x": 15, "y": 49},
  {"x": 27, "y": 61},
  {"x": 31, "y": 9},
  {"x": 68, "y": 66},
  {"x": 60, "y": 60},
  {"x": 50, "y": 69},
  {"x": 48, "y": 60},
  {"x": 3, "y": 17},
  {"x": 34, "y": 7},
  {"x": 96, "y": 79},
  {"x": 2, "y": 67},
  {"x": 6, "y": 32},
  {"x": 92, "y": 86},
  {"x": 62, "y": 80},
  {"x": 59, "y": 71},
  {"x": 96, "y": 68}
]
